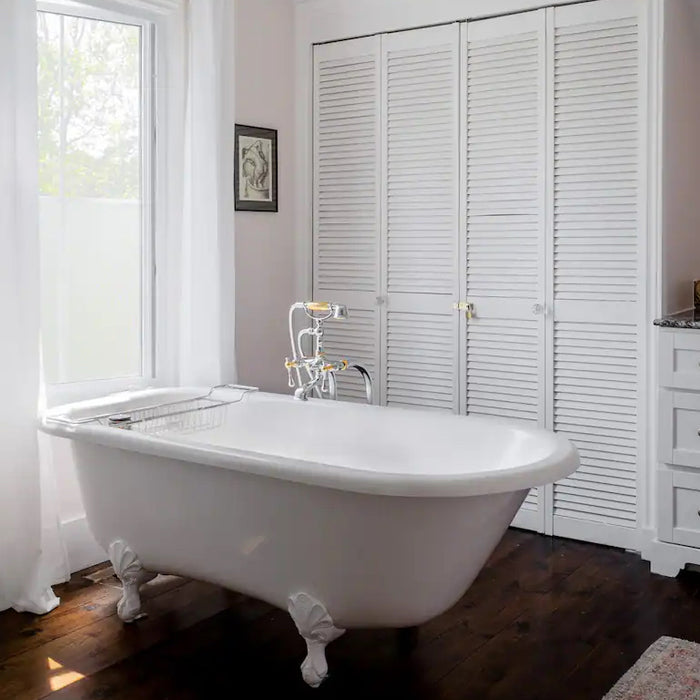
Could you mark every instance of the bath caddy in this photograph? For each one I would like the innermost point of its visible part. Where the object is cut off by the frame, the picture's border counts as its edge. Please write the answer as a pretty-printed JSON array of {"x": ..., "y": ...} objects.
[{"x": 346, "y": 515}]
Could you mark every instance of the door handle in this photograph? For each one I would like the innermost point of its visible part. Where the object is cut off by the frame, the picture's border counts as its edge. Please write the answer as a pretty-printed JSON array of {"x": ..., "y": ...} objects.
[{"x": 465, "y": 306}]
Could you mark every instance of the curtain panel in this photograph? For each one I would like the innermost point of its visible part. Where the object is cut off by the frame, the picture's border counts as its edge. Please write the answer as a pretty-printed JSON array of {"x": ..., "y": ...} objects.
[
  {"x": 31, "y": 554},
  {"x": 195, "y": 237}
]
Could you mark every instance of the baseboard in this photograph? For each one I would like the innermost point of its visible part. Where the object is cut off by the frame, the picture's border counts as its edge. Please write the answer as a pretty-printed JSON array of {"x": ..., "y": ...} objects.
[
  {"x": 82, "y": 549},
  {"x": 647, "y": 536},
  {"x": 666, "y": 558},
  {"x": 527, "y": 520},
  {"x": 597, "y": 533}
]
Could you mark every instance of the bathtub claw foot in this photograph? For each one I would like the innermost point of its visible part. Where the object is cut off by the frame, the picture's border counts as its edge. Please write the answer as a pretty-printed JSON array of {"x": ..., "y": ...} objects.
[
  {"x": 316, "y": 626},
  {"x": 130, "y": 572}
]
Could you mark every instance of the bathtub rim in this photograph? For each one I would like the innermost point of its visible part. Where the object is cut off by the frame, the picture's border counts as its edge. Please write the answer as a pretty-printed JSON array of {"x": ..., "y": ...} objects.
[{"x": 561, "y": 462}]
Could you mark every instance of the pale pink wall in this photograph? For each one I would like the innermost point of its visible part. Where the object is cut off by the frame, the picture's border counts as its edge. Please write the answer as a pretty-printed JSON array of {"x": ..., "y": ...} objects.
[
  {"x": 264, "y": 250},
  {"x": 681, "y": 154}
]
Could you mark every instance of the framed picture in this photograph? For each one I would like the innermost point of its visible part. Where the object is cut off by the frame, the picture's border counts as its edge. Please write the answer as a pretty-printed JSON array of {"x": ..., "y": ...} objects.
[{"x": 255, "y": 169}]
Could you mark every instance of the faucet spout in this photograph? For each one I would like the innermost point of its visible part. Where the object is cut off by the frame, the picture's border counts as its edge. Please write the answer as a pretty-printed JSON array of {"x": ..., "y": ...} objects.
[
  {"x": 302, "y": 392},
  {"x": 369, "y": 393}
]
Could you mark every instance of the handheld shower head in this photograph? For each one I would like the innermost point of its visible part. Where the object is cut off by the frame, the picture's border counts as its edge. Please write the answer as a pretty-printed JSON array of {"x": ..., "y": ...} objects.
[
  {"x": 316, "y": 305},
  {"x": 336, "y": 311}
]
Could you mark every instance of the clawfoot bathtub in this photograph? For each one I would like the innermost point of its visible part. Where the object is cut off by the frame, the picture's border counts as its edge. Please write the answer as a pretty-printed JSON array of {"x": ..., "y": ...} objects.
[{"x": 346, "y": 515}]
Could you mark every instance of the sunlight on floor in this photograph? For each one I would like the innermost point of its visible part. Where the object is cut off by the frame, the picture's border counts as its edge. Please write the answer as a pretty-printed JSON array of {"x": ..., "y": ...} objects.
[{"x": 61, "y": 677}]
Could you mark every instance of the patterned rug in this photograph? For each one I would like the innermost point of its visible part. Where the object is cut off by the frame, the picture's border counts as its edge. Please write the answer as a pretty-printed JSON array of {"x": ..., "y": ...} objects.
[{"x": 668, "y": 670}]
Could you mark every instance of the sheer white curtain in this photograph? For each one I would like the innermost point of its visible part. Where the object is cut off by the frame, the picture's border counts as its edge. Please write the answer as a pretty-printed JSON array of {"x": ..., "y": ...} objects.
[
  {"x": 196, "y": 260},
  {"x": 195, "y": 334},
  {"x": 200, "y": 197},
  {"x": 31, "y": 554}
]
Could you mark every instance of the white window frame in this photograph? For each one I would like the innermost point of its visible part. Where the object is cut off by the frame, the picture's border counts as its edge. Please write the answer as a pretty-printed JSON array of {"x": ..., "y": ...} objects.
[{"x": 152, "y": 172}]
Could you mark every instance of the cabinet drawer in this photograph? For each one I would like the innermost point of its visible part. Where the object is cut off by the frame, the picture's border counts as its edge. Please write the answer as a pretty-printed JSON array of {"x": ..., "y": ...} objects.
[
  {"x": 679, "y": 359},
  {"x": 681, "y": 493},
  {"x": 679, "y": 440}
]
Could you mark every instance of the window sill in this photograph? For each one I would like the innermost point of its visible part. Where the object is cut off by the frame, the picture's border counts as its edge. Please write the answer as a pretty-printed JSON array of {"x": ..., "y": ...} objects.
[{"x": 58, "y": 394}]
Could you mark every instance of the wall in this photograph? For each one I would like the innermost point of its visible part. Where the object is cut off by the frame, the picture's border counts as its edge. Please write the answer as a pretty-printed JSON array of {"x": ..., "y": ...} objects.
[
  {"x": 328, "y": 20},
  {"x": 265, "y": 241},
  {"x": 681, "y": 153}
]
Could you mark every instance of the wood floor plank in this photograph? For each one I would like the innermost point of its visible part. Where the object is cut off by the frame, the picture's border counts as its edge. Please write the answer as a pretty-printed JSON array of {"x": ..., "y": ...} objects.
[
  {"x": 549, "y": 631},
  {"x": 94, "y": 646},
  {"x": 83, "y": 606},
  {"x": 214, "y": 651},
  {"x": 547, "y": 619}
]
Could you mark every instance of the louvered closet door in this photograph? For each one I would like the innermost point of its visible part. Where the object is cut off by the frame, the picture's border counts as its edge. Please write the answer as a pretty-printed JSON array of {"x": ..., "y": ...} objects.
[
  {"x": 504, "y": 121},
  {"x": 420, "y": 220},
  {"x": 346, "y": 200},
  {"x": 597, "y": 285}
]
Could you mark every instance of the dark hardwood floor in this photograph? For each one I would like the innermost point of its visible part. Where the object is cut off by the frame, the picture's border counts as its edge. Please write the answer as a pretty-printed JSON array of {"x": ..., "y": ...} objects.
[{"x": 547, "y": 618}]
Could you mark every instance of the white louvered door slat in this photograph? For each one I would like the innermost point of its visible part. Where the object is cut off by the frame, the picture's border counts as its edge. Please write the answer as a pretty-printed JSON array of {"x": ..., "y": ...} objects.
[
  {"x": 595, "y": 288},
  {"x": 420, "y": 219},
  {"x": 504, "y": 129},
  {"x": 347, "y": 200}
]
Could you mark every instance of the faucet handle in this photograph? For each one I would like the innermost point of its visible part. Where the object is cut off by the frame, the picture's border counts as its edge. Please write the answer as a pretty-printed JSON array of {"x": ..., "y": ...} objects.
[{"x": 289, "y": 364}]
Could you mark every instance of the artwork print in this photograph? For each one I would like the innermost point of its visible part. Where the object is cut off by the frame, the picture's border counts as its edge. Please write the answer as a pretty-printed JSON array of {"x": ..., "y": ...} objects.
[{"x": 255, "y": 169}]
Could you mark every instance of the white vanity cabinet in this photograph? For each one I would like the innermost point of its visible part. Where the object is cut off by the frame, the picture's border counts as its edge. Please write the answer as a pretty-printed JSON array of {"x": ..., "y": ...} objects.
[
  {"x": 679, "y": 359},
  {"x": 678, "y": 497}
]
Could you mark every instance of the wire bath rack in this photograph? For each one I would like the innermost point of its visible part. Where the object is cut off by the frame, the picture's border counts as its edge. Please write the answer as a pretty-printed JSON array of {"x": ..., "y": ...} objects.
[{"x": 182, "y": 416}]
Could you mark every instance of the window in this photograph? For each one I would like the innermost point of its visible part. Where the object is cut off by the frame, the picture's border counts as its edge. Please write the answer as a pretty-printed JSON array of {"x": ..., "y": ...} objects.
[{"x": 96, "y": 188}]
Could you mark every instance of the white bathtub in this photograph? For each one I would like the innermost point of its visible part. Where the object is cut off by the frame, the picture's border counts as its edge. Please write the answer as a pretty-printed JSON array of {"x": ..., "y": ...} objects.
[{"x": 347, "y": 515}]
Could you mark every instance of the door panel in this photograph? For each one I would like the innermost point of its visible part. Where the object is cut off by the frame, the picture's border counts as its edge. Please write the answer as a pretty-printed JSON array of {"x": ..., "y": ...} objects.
[
  {"x": 347, "y": 207},
  {"x": 595, "y": 260},
  {"x": 420, "y": 223},
  {"x": 504, "y": 127}
]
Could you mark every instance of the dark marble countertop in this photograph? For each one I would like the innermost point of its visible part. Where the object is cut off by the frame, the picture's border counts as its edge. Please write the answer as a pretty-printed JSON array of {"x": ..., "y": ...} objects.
[{"x": 681, "y": 319}]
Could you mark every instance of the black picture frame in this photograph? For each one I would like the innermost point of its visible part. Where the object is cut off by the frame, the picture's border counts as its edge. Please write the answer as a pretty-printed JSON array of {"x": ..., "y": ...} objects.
[{"x": 255, "y": 177}]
